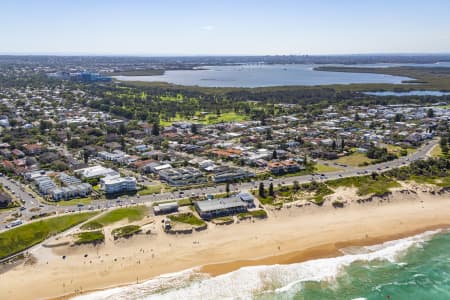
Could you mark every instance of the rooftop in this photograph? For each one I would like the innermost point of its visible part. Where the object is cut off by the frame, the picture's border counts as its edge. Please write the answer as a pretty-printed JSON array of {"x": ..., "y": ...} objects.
[{"x": 217, "y": 204}]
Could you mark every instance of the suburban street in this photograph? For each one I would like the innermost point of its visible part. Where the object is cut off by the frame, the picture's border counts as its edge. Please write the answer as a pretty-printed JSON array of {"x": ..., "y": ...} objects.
[{"x": 34, "y": 207}]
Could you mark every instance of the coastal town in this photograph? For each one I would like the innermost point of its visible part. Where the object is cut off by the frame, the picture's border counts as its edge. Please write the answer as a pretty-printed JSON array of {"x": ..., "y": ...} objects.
[
  {"x": 92, "y": 164},
  {"x": 238, "y": 150},
  {"x": 59, "y": 151}
]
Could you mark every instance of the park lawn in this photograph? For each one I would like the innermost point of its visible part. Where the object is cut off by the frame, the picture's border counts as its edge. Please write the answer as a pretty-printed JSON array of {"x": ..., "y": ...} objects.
[
  {"x": 397, "y": 150},
  {"x": 84, "y": 201},
  {"x": 89, "y": 237},
  {"x": 355, "y": 159},
  {"x": 132, "y": 214},
  {"x": 366, "y": 185},
  {"x": 186, "y": 218},
  {"x": 23, "y": 237},
  {"x": 177, "y": 118},
  {"x": 436, "y": 151},
  {"x": 208, "y": 119},
  {"x": 320, "y": 168},
  {"x": 225, "y": 118},
  {"x": 151, "y": 189}
]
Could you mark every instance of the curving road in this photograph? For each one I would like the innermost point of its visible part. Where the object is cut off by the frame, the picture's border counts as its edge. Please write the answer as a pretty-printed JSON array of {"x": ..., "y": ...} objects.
[{"x": 30, "y": 202}]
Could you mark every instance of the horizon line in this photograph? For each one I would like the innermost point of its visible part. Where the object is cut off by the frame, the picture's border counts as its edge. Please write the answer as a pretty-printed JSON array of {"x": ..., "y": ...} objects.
[{"x": 86, "y": 54}]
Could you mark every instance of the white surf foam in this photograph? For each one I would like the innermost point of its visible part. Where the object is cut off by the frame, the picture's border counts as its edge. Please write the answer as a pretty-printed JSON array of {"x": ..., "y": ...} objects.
[{"x": 248, "y": 282}]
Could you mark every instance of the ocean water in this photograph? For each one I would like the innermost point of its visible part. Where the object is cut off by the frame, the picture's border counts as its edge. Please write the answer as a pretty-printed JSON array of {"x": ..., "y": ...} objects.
[{"x": 416, "y": 267}]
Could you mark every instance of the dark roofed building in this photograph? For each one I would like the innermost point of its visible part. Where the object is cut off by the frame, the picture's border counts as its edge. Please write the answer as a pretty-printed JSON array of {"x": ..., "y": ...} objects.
[{"x": 214, "y": 208}]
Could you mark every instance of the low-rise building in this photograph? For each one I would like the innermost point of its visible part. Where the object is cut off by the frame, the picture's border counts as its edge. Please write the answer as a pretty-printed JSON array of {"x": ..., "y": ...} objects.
[
  {"x": 284, "y": 167},
  {"x": 117, "y": 184},
  {"x": 45, "y": 184},
  {"x": 165, "y": 208},
  {"x": 247, "y": 198},
  {"x": 71, "y": 191},
  {"x": 68, "y": 180},
  {"x": 214, "y": 208},
  {"x": 227, "y": 174},
  {"x": 182, "y": 176},
  {"x": 96, "y": 172}
]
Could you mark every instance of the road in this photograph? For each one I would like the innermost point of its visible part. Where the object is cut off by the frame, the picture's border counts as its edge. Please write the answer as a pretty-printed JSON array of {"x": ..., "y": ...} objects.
[{"x": 30, "y": 202}]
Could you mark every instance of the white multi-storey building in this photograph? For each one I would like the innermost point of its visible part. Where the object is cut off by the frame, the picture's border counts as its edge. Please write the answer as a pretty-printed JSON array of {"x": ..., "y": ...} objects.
[{"x": 117, "y": 184}]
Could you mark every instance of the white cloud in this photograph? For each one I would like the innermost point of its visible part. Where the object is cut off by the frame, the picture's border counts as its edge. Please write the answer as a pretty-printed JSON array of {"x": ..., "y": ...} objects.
[{"x": 208, "y": 27}]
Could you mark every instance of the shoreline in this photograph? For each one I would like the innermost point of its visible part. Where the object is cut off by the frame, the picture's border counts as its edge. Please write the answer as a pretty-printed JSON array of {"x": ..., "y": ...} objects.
[
  {"x": 332, "y": 250},
  {"x": 322, "y": 251},
  {"x": 287, "y": 236}
]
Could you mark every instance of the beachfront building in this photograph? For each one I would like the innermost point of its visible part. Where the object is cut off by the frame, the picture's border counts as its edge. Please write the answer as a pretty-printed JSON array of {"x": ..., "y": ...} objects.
[
  {"x": 116, "y": 184},
  {"x": 165, "y": 208},
  {"x": 214, "y": 208},
  {"x": 71, "y": 191},
  {"x": 247, "y": 198}
]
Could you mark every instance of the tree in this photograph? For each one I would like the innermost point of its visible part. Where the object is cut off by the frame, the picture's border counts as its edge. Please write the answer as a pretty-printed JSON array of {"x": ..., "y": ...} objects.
[
  {"x": 262, "y": 190},
  {"x": 269, "y": 134},
  {"x": 296, "y": 185},
  {"x": 271, "y": 192},
  {"x": 155, "y": 128},
  {"x": 274, "y": 154},
  {"x": 399, "y": 117},
  {"x": 122, "y": 129},
  {"x": 444, "y": 145},
  {"x": 374, "y": 175},
  {"x": 194, "y": 128},
  {"x": 85, "y": 156}
]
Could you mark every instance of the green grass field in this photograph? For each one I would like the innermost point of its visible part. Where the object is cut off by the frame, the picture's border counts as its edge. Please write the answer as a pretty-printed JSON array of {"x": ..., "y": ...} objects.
[
  {"x": 130, "y": 213},
  {"x": 84, "y": 201},
  {"x": 355, "y": 159},
  {"x": 26, "y": 236},
  {"x": 436, "y": 151},
  {"x": 320, "y": 168},
  {"x": 151, "y": 189},
  {"x": 208, "y": 119}
]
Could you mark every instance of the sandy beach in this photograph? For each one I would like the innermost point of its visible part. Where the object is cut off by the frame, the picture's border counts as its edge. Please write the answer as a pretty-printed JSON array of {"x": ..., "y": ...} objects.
[{"x": 288, "y": 235}]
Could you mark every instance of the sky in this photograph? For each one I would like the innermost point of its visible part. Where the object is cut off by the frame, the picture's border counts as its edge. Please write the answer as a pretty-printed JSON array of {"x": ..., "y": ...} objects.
[{"x": 224, "y": 27}]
